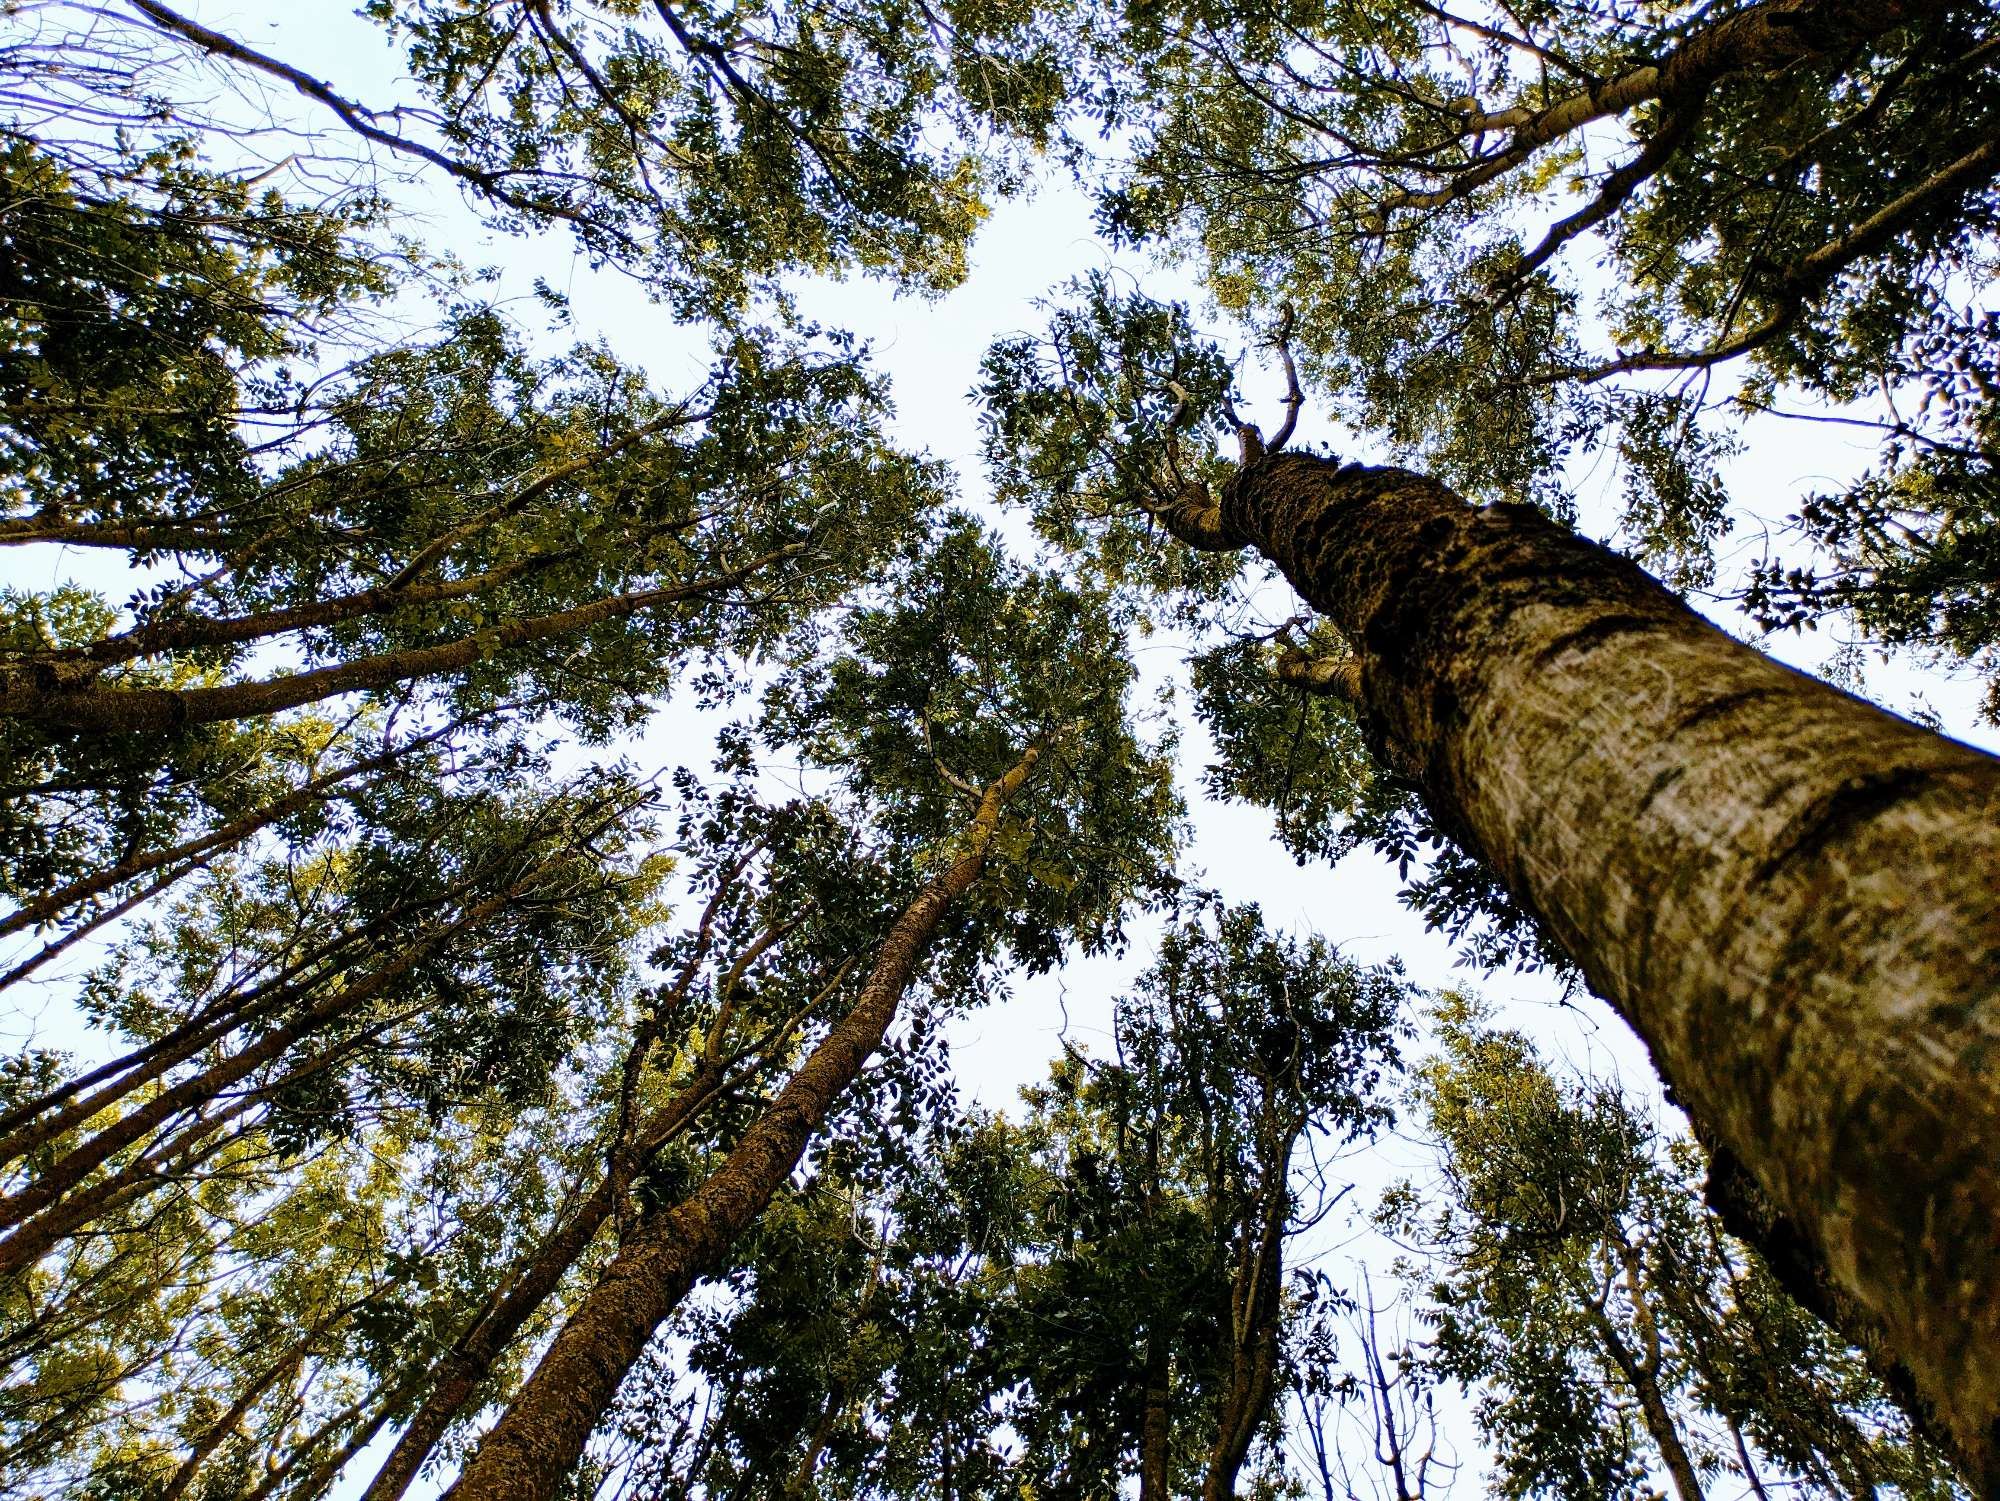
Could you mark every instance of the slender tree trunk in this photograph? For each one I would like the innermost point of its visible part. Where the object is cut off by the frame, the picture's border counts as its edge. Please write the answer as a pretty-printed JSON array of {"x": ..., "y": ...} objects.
[
  {"x": 540, "y": 1436},
  {"x": 236, "y": 831},
  {"x": 799, "y": 1484},
  {"x": 1762, "y": 38},
  {"x": 255, "y": 1390},
  {"x": 1156, "y": 1426},
  {"x": 467, "y": 1363},
  {"x": 1256, "y": 1315},
  {"x": 188, "y": 631},
  {"x": 67, "y": 1172},
  {"x": 140, "y": 1067},
  {"x": 82, "y": 929},
  {"x": 1643, "y": 1373},
  {"x": 1658, "y": 1417},
  {"x": 834, "y": 1409},
  {"x": 1793, "y": 896},
  {"x": 1643, "y": 1370},
  {"x": 171, "y": 536}
]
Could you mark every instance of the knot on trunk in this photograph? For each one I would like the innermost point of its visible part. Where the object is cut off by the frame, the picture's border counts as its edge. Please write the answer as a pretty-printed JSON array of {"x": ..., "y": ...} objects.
[{"x": 1194, "y": 516}]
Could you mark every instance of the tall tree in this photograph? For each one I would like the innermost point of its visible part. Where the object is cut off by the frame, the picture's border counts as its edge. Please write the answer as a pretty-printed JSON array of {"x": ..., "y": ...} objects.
[
  {"x": 1095, "y": 1294},
  {"x": 986, "y": 685},
  {"x": 460, "y": 956},
  {"x": 340, "y": 1063},
  {"x": 542, "y": 1433},
  {"x": 417, "y": 551},
  {"x": 1784, "y": 890},
  {"x": 382, "y": 567},
  {"x": 212, "y": 378},
  {"x": 647, "y": 1107},
  {"x": 725, "y": 1020},
  {"x": 1178, "y": 1173}
]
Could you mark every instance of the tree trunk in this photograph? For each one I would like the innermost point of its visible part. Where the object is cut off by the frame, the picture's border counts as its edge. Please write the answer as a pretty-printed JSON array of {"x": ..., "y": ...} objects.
[
  {"x": 540, "y": 1436},
  {"x": 1643, "y": 1376},
  {"x": 29, "y": 1243},
  {"x": 467, "y": 1363},
  {"x": 1257, "y": 1314},
  {"x": 1792, "y": 896},
  {"x": 799, "y": 1483},
  {"x": 1155, "y": 1426}
]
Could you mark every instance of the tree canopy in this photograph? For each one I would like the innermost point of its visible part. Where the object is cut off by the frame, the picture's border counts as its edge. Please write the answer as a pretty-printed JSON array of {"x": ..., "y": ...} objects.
[{"x": 507, "y": 840}]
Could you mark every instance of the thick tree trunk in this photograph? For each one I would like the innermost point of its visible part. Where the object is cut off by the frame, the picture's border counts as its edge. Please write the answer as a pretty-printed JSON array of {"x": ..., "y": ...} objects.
[
  {"x": 540, "y": 1436},
  {"x": 1791, "y": 895}
]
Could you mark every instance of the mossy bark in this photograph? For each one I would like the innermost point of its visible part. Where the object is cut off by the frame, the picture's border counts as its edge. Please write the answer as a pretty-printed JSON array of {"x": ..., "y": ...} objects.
[
  {"x": 538, "y": 1439},
  {"x": 1792, "y": 896}
]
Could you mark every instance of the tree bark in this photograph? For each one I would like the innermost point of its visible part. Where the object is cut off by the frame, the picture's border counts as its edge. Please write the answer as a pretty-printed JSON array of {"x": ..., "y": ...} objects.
[
  {"x": 467, "y": 1363},
  {"x": 1155, "y": 1426},
  {"x": 1792, "y": 896},
  {"x": 540, "y": 1436}
]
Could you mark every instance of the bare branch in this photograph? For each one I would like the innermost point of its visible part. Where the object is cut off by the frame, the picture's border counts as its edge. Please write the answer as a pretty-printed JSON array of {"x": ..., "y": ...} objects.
[
  {"x": 1294, "y": 397},
  {"x": 491, "y": 184}
]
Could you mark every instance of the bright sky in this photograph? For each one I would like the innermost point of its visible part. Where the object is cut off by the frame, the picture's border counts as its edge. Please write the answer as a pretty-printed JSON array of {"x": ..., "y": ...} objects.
[{"x": 931, "y": 351}]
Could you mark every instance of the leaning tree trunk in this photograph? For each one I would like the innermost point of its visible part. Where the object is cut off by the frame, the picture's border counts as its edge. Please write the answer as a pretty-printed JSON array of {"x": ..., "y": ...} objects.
[
  {"x": 1793, "y": 896},
  {"x": 541, "y": 1435},
  {"x": 62, "y": 694},
  {"x": 461, "y": 1369},
  {"x": 1256, "y": 1305}
]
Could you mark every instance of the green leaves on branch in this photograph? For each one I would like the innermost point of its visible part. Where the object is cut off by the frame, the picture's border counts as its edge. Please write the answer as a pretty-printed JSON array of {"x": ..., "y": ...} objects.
[
  {"x": 1300, "y": 753},
  {"x": 1515, "y": 240},
  {"x": 704, "y": 148},
  {"x": 1101, "y": 420},
  {"x": 930, "y": 690}
]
